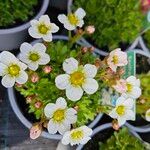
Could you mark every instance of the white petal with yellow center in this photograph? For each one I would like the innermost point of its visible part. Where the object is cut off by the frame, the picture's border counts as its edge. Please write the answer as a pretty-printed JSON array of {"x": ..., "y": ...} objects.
[{"x": 8, "y": 81}]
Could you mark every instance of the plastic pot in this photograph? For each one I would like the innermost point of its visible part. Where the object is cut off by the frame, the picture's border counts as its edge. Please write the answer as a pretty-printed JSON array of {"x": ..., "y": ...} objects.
[
  {"x": 99, "y": 51},
  {"x": 60, "y": 4},
  {"x": 102, "y": 128},
  {"x": 12, "y": 38},
  {"x": 24, "y": 120}
]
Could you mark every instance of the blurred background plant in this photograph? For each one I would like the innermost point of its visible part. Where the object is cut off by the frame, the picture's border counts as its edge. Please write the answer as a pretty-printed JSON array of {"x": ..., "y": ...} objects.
[
  {"x": 14, "y": 11},
  {"x": 117, "y": 22}
]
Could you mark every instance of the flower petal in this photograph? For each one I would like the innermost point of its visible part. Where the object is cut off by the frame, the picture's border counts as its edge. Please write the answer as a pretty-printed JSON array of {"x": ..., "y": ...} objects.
[
  {"x": 8, "y": 81},
  {"x": 48, "y": 37},
  {"x": 33, "y": 66},
  {"x": 52, "y": 127},
  {"x": 22, "y": 78},
  {"x": 61, "y": 103},
  {"x": 34, "y": 33},
  {"x": 135, "y": 93},
  {"x": 113, "y": 114},
  {"x": 66, "y": 138},
  {"x": 74, "y": 93},
  {"x": 62, "y": 18},
  {"x": 90, "y": 86},
  {"x": 121, "y": 121},
  {"x": 41, "y": 48},
  {"x": 130, "y": 115},
  {"x": 80, "y": 13},
  {"x": 70, "y": 65},
  {"x": 44, "y": 19},
  {"x": 34, "y": 22},
  {"x": 129, "y": 103},
  {"x": 45, "y": 58},
  {"x": 49, "y": 109},
  {"x": 90, "y": 70},
  {"x": 63, "y": 128},
  {"x": 3, "y": 69},
  {"x": 81, "y": 23},
  {"x": 71, "y": 116},
  {"x": 54, "y": 28},
  {"x": 132, "y": 80},
  {"x": 25, "y": 47},
  {"x": 7, "y": 58},
  {"x": 62, "y": 81},
  {"x": 120, "y": 100}
]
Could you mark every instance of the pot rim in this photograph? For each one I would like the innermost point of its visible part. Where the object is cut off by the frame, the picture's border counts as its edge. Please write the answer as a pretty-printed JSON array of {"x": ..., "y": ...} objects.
[
  {"x": 23, "y": 26},
  {"x": 25, "y": 121}
]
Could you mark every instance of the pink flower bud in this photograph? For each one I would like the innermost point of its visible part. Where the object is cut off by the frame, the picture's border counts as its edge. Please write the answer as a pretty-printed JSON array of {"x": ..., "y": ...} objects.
[
  {"x": 35, "y": 131},
  {"x": 47, "y": 69},
  {"x": 115, "y": 125},
  {"x": 90, "y": 29},
  {"x": 38, "y": 104},
  {"x": 29, "y": 99},
  {"x": 84, "y": 50},
  {"x": 34, "y": 78},
  {"x": 91, "y": 49}
]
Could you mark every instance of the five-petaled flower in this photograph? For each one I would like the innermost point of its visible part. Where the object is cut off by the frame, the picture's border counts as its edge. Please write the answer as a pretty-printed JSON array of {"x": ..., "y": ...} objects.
[
  {"x": 73, "y": 19},
  {"x": 43, "y": 28},
  {"x": 77, "y": 136},
  {"x": 123, "y": 110},
  {"x": 133, "y": 89},
  {"x": 60, "y": 117},
  {"x": 34, "y": 55},
  {"x": 116, "y": 59},
  {"x": 12, "y": 70},
  {"x": 77, "y": 79}
]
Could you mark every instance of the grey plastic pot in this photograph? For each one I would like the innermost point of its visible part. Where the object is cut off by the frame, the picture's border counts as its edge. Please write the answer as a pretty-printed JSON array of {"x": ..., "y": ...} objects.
[
  {"x": 12, "y": 38},
  {"x": 24, "y": 120},
  {"x": 103, "y": 127},
  {"x": 60, "y": 4},
  {"x": 97, "y": 50}
]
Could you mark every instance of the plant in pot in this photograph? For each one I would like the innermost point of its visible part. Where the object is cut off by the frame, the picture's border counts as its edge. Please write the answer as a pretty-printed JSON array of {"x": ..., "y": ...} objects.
[
  {"x": 15, "y": 20},
  {"x": 117, "y": 23},
  {"x": 61, "y": 81},
  {"x": 106, "y": 138}
]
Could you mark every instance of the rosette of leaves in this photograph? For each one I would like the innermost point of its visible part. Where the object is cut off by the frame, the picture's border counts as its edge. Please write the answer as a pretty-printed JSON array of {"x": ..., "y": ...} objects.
[
  {"x": 122, "y": 140},
  {"x": 16, "y": 11},
  {"x": 45, "y": 90},
  {"x": 143, "y": 103},
  {"x": 117, "y": 22}
]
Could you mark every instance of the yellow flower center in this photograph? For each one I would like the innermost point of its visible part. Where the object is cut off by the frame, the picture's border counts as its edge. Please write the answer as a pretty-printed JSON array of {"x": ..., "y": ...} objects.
[
  {"x": 120, "y": 110},
  {"x": 43, "y": 29},
  {"x": 34, "y": 57},
  {"x": 115, "y": 59},
  {"x": 14, "y": 70},
  {"x": 72, "y": 19},
  {"x": 77, "y": 78},
  {"x": 59, "y": 115},
  {"x": 76, "y": 135},
  {"x": 129, "y": 87}
]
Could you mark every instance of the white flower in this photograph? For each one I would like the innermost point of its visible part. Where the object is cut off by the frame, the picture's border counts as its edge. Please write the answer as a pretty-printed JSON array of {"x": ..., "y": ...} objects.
[
  {"x": 60, "y": 116},
  {"x": 12, "y": 70},
  {"x": 123, "y": 110},
  {"x": 79, "y": 135},
  {"x": 43, "y": 28},
  {"x": 34, "y": 55},
  {"x": 133, "y": 88},
  {"x": 116, "y": 59},
  {"x": 77, "y": 79},
  {"x": 73, "y": 19},
  {"x": 147, "y": 115}
]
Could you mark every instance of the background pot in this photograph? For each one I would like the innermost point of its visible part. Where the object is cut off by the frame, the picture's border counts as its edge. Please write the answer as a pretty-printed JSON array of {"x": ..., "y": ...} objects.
[
  {"x": 102, "y": 128},
  {"x": 13, "y": 37},
  {"x": 24, "y": 120},
  {"x": 99, "y": 51},
  {"x": 60, "y": 4}
]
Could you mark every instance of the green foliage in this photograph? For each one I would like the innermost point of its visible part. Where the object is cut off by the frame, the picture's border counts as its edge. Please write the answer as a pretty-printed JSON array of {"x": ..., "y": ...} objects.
[
  {"x": 116, "y": 21},
  {"x": 143, "y": 103},
  {"x": 12, "y": 11},
  {"x": 122, "y": 140},
  {"x": 45, "y": 90},
  {"x": 147, "y": 38}
]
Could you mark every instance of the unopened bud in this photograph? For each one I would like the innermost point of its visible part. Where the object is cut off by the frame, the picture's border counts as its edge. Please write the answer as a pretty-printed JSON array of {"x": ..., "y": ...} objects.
[
  {"x": 97, "y": 63},
  {"x": 38, "y": 104},
  {"x": 91, "y": 49},
  {"x": 115, "y": 125},
  {"x": 47, "y": 69},
  {"x": 18, "y": 85},
  {"x": 90, "y": 29},
  {"x": 34, "y": 78},
  {"x": 84, "y": 50},
  {"x": 35, "y": 131},
  {"x": 76, "y": 108}
]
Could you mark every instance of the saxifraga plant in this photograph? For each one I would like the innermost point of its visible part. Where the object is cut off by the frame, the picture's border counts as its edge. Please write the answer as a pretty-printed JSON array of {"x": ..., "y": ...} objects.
[
  {"x": 116, "y": 21},
  {"x": 13, "y": 11}
]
